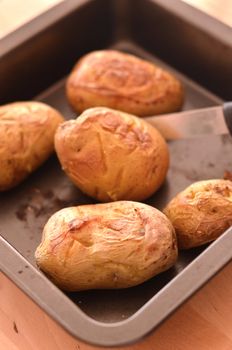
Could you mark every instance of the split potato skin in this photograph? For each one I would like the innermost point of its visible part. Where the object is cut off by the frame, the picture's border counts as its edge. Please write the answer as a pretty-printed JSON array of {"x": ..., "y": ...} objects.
[
  {"x": 121, "y": 81},
  {"x": 111, "y": 155},
  {"x": 27, "y": 139},
  {"x": 106, "y": 246},
  {"x": 201, "y": 213}
]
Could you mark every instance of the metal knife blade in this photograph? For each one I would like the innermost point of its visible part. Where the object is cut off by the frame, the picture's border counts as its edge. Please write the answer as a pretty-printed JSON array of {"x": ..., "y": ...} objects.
[{"x": 188, "y": 124}]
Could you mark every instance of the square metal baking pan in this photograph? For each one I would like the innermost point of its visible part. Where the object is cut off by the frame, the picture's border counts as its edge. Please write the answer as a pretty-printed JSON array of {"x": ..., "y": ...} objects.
[{"x": 34, "y": 62}]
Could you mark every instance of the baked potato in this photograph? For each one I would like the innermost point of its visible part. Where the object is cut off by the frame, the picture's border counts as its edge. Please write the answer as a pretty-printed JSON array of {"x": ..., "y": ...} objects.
[
  {"x": 104, "y": 246},
  {"x": 201, "y": 213},
  {"x": 27, "y": 139},
  {"x": 121, "y": 81},
  {"x": 111, "y": 155}
]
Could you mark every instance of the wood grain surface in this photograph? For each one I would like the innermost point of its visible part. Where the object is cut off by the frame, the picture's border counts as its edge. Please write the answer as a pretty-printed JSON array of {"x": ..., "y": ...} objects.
[
  {"x": 14, "y": 13},
  {"x": 203, "y": 323}
]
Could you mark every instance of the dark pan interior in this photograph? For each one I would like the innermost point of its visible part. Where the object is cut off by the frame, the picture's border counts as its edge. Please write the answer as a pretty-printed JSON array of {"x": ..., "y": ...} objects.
[
  {"x": 169, "y": 29},
  {"x": 25, "y": 209}
]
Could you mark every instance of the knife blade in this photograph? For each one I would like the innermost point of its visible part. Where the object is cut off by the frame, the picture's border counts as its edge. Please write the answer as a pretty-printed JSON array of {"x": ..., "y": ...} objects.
[{"x": 194, "y": 123}]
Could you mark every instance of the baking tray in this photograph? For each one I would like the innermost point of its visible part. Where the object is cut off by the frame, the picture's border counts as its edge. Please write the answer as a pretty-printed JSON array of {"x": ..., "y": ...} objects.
[{"x": 33, "y": 64}]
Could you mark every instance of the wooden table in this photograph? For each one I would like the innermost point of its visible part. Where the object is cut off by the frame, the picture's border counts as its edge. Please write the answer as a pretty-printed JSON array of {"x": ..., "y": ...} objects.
[{"x": 203, "y": 323}]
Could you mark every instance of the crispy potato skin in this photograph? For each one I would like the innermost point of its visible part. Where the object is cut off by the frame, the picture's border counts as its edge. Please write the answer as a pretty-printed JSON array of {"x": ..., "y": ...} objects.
[
  {"x": 201, "y": 213},
  {"x": 113, "y": 245},
  {"x": 111, "y": 155},
  {"x": 27, "y": 139},
  {"x": 120, "y": 81}
]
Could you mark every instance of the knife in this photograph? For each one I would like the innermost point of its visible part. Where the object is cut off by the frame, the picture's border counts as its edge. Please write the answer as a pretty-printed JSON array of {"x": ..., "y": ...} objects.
[{"x": 194, "y": 123}]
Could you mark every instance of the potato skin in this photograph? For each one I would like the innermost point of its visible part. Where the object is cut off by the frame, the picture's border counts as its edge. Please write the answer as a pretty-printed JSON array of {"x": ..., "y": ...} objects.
[
  {"x": 106, "y": 246},
  {"x": 120, "y": 81},
  {"x": 27, "y": 139},
  {"x": 201, "y": 213},
  {"x": 111, "y": 155}
]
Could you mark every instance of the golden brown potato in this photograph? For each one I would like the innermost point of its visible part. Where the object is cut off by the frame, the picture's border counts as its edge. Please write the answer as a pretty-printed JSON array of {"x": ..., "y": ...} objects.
[
  {"x": 27, "y": 139},
  {"x": 111, "y": 155},
  {"x": 201, "y": 213},
  {"x": 124, "y": 82},
  {"x": 114, "y": 245}
]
